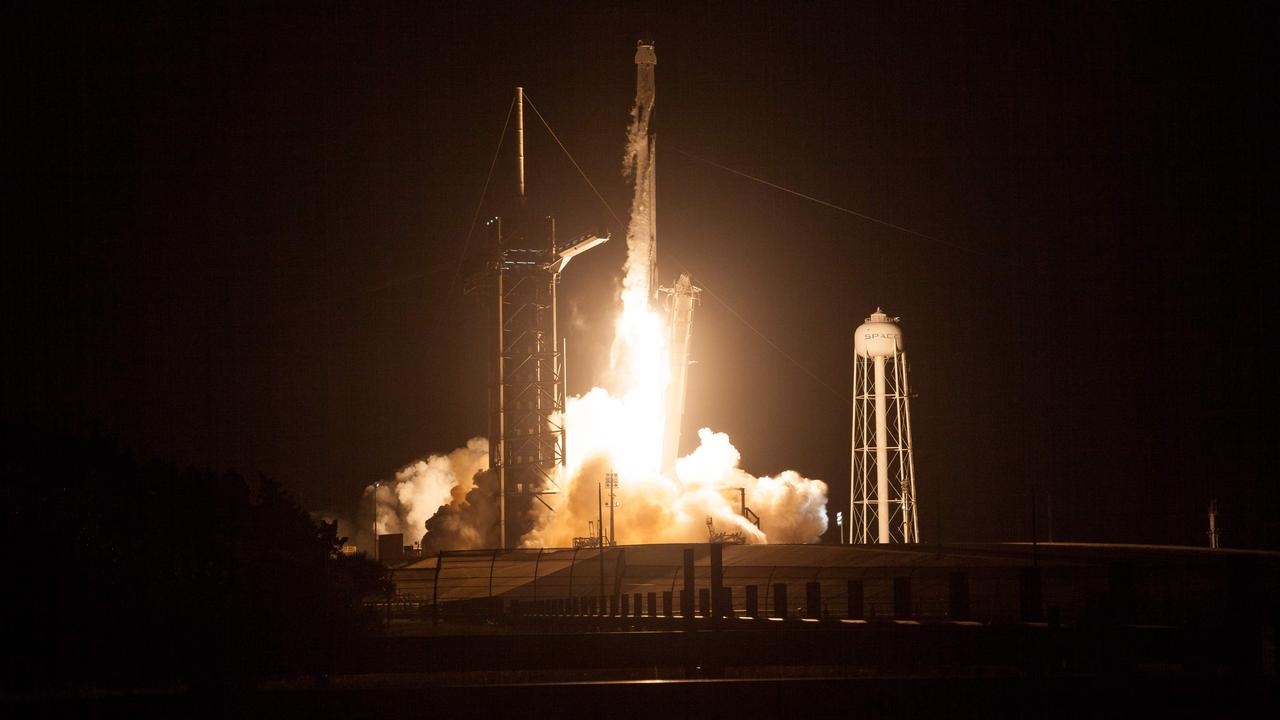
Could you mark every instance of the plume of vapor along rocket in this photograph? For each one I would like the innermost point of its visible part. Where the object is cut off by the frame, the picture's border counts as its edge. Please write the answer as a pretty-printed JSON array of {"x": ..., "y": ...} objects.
[{"x": 636, "y": 164}]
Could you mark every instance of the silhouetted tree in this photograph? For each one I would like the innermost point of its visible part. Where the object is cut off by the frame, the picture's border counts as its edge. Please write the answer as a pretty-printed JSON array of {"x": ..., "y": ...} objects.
[{"x": 129, "y": 572}]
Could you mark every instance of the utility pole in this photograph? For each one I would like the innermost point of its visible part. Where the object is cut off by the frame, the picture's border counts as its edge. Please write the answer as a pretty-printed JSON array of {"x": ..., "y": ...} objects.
[
  {"x": 600, "y": 527},
  {"x": 1213, "y": 524},
  {"x": 374, "y": 497},
  {"x": 611, "y": 479}
]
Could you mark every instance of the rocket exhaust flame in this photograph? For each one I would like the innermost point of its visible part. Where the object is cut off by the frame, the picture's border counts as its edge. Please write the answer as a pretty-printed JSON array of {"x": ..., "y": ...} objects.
[{"x": 622, "y": 431}]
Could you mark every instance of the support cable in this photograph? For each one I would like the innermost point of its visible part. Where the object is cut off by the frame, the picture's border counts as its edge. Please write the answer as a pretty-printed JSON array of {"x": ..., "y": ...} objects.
[
  {"x": 824, "y": 203},
  {"x": 575, "y": 163},
  {"x": 843, "y": 398},
  {"x": 466, "y": 243},
  {"x": 1022, "y": 266}
]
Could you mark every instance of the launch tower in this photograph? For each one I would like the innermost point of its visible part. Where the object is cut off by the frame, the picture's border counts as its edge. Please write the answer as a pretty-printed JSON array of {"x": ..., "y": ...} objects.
[{"x": 518, "y": 282}]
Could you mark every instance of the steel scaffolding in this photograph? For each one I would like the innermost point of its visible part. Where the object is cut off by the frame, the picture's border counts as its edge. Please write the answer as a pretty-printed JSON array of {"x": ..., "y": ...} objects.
[{"x": 526, "y": 369}]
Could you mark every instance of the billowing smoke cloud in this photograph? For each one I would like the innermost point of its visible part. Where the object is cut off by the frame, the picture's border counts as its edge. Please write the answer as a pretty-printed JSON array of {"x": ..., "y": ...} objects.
[
  {"x": 422, "y": 489},
  {"x": 795, "y": 506},
  {"x": 653, "y": 508},
  {"x": 469, "y": 522}
]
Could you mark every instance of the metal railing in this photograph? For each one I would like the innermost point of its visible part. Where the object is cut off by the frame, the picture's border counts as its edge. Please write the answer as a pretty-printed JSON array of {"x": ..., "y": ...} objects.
[{"x": 988, "y": 584}]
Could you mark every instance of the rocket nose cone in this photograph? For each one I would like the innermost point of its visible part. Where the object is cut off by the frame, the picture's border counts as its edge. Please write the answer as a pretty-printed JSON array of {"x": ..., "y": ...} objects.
[{"x": 645, "y": 54}]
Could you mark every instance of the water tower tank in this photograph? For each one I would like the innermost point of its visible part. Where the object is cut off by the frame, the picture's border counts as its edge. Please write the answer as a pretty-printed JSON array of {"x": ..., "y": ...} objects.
[{"x": 877, "y": 337}]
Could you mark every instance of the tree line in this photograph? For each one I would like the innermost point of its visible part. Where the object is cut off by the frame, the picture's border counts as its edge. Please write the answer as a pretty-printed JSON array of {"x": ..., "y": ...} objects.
[{"x": 130, "y": 572}]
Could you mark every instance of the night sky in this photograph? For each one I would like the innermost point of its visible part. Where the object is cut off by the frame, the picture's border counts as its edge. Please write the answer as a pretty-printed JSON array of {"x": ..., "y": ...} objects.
[{"x": 234, "y": 236}]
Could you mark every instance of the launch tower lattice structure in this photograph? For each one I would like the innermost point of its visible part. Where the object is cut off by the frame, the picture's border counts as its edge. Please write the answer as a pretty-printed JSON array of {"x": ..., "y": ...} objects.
[
  {"x": 527, "y": 366},
  {"x": 882, "y": 504},
  {"x": 526, "y": 372},
  {"x": 518, "y": 280}
]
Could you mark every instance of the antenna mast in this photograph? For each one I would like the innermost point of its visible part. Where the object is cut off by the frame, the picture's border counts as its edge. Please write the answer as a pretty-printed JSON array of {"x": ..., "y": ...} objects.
[{"x": 520, "y": 140}]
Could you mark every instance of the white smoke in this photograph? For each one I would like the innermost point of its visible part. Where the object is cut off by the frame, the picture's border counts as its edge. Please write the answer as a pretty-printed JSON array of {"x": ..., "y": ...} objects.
[
  {"x": 653, "y": 508},
  {"x": 423, "y": 488}
]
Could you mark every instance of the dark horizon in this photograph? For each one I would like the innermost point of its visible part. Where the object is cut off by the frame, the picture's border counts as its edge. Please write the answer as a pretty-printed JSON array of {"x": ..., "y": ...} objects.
[{"x": 239, "y": 234}]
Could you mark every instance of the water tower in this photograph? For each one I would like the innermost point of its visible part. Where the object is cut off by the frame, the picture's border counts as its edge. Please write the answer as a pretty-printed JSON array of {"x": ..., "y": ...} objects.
[{"x": 882, "y": 499}]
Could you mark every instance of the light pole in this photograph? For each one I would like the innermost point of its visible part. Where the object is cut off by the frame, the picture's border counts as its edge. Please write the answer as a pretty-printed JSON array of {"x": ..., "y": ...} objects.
[
  {"x": 611, "y": 479},
  {"x": 840, "y": 525},
  {"x": 376, "y": 485}
]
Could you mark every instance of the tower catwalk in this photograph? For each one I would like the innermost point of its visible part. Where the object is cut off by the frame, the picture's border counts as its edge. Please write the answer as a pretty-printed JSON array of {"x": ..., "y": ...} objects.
[{"x": 882, "y": 500}]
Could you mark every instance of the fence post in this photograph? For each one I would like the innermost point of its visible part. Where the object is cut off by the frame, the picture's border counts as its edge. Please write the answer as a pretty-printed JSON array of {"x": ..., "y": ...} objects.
[
  {"x": 435, "y": 590},
  {"x": 717, "y": 582},
  {"x": 573, "y": 563},
  {"x": 813, "y": 600},
  {"x": 686, "y": 597},
  {"x": 492, "y": 561},
  {"x": 536, "y": 563},
  {"x": 902, "y": 598},
  {"x": 854, "y": 600},
  {"x": 619, "y": 570}
]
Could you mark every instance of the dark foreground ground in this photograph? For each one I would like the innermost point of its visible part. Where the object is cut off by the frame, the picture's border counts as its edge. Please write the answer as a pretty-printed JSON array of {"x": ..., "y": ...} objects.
[
  {"x": 761, "y": 670},
  {"x": 414, "y": 696}
]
